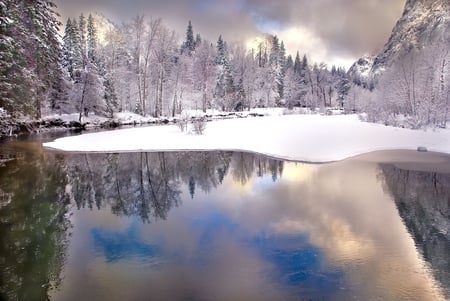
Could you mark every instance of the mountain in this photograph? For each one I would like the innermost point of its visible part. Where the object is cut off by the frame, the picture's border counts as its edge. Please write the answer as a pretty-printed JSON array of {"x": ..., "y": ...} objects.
[
  {"x": 360, "y": 71},
  {"x": 423, "y": 23},
  {"x": 104, "y": 26}
]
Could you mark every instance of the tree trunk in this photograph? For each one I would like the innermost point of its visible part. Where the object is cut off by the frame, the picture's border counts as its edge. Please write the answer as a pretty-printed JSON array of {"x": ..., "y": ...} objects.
[{"x": 82, "y": 98}]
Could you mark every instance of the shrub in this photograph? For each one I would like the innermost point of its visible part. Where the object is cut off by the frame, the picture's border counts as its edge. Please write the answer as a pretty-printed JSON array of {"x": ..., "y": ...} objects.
[{"x": 199, "y": 126}]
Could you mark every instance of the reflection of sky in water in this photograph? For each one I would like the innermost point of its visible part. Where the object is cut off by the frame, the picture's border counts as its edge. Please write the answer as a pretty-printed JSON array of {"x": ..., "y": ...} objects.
[
  {"x": 320, "y": 231},
  {"x": 296, "y": 263},
  {"x": 115, "y": 246}
]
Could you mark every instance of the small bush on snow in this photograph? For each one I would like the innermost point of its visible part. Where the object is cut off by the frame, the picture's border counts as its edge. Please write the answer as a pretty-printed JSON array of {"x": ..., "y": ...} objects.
[
  {"x": 199, "y": 126},
  {"x": 183, "y": 121}
]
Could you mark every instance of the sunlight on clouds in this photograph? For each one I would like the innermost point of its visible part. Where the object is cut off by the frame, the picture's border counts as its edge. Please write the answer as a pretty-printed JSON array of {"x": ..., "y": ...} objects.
[
  {"x": 305, "y": 41},
  {"x": 253, "y": 43}
]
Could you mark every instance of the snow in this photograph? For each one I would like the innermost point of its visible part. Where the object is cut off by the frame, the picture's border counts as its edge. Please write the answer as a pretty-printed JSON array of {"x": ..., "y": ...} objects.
[
  {"x": 92, "y": 118},
  {"x": 311, "y": 138},
  {"x": 4, "y": 113},
  {"x": 123, "y": 118}
]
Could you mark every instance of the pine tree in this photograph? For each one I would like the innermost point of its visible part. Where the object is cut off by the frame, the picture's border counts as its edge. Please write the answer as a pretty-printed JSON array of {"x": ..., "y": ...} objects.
[
  {"x": 31, "y": 56},
  {"x": 78, "y": 59},
  {"x": 289, "y": 62},
  {"x": 281, "y": 70},
  {"x": 297, "y": 64},
  {"x": 221, "y": 51},
  {"x": 15, "y": 80},
  {"x": 68, "y": 48},
  {"x": 189, "y": 44},
  {"x": 91, "y": 39},
  {"x": 198, "y": 40},
  {"x": 82, "y": 37},
  {"x": 274, "y": 52},
  {"x": 224, "y": 92},
  {"x": 304, "y": 63}
]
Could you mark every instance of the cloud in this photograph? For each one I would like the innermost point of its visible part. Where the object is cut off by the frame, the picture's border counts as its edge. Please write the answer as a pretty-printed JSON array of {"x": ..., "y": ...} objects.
[{"x": 343, "y": 29}]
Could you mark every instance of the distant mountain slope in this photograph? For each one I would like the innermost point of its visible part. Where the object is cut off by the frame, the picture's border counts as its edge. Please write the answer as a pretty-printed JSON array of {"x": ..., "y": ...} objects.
[{"x": 423, "y": 23}]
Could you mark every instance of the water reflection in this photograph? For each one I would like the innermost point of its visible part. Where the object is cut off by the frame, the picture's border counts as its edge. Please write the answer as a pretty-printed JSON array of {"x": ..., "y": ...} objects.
[
  {"x": 148, "y": 185},
  {"x": 423, "y": 202},
  {"x": 33, "y": 224},
  {"x": 221, "y": 226}
]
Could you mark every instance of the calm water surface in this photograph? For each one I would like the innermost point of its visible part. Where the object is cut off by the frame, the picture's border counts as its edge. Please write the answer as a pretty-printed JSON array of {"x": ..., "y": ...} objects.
[{"x": 222, "y": 226}]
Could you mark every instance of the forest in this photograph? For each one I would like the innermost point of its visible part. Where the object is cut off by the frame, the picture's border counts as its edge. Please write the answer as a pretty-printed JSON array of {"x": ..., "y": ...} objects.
[{"x": 94, "y": 66}]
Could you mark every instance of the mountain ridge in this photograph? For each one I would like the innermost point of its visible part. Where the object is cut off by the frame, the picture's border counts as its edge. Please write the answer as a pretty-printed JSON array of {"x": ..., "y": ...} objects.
[{"x": 423, "y": 23}]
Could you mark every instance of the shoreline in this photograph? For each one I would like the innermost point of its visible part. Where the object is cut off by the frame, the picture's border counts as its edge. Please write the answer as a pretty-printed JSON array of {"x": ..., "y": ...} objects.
[{"x": 299, "y": 138}]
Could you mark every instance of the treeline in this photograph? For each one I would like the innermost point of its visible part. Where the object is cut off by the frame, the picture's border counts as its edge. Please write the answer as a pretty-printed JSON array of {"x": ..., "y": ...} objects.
[
  {"x": 150, "y": 73},
  {"x": 142, "y": 67}
]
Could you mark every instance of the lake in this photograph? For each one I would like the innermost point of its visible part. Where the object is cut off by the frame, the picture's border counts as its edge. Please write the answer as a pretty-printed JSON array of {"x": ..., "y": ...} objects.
[{"x": 222, "y": 226}]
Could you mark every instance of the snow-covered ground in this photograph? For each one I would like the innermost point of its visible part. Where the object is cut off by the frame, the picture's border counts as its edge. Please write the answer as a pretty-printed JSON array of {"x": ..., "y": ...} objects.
[{"x": 313, "y": 138}]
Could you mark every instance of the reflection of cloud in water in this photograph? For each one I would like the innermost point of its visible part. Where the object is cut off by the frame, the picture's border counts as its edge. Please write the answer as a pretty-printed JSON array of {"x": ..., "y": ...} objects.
[
  {"x": 344, "y": 228},
  {"x": 347, "y": 215}
]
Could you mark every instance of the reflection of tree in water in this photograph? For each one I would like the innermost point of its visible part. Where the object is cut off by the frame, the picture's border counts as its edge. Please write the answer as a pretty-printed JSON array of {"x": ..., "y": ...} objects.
[
  {"x": 423, "y": 201},
  {"x": 33, "y": 226},
  {"x": 149, "y": 184},
  {"x": 244, "y": 164}
]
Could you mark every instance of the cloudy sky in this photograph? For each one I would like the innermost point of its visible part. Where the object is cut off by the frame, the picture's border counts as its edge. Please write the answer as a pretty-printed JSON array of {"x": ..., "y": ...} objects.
[{"x": 333, "y": 31}]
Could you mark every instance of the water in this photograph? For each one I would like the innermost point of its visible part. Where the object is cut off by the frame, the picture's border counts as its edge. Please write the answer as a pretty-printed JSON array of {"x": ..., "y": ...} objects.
[{"x": 222, "y": 226}]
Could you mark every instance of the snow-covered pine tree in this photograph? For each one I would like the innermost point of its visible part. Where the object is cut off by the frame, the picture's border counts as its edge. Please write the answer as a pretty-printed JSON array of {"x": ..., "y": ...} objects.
[
  {"x": 68, "y": 47},
  {"x": 297, "y": 64},
  {"x": 14, "y": 84},
  {"x": 78, "y": 58},
  {"x": 189, "y": 44},
  {"x": 277, "y": 61},
  {"x": 82, "y": 37},
  {"x": 91, "y": 39},
  {"x": 224, "y": 92},
  {"x": 31, "y": 65},
  {"x": 281, "y": 71},
  {"x": 198, "y": 40}
]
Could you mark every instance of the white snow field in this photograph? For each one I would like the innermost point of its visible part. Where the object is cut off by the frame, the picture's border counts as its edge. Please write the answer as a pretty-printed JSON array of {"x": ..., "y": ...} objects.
[{"x": 310, "y": 138}]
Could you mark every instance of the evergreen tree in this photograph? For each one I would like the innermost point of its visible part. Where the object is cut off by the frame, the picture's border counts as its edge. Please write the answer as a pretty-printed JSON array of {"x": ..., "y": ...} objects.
[
  {"x": 31, "y": 56},
  {"x": 189, "y": 44},
  {"x": 91, "y": 39},
  {"x": 198, "y": 40},
  {"x": 274, "y": 52},
  {"x": 221, "y": 51},
  {"x": 224, "y": 92},
  {"x": 304, "y": 63},
  {"x": 13, "y": 76},
  {"x": 78, "y": 58},
  {"x": 82, "y": 37},
  {"x": 68, "y": 47},
  {"x": 281, "y": 70},
  {"x": 289, "y": 62},
  {"x": 297, "y": 64}
]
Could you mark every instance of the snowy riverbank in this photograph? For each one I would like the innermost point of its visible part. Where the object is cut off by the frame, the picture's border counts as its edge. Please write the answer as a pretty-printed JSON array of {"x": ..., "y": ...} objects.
[{"x": 312, "y": 138}]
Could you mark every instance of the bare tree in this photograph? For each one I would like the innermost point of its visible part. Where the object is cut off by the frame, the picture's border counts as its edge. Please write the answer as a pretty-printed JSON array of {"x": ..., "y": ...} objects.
[
  {"x": 163, "y": 53},
  {"x": 204, "y": 71}
]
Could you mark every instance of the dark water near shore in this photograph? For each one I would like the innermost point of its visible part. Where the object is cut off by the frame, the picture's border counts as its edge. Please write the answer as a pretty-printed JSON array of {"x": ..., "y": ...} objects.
[{"x": 222, "y": 226}]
